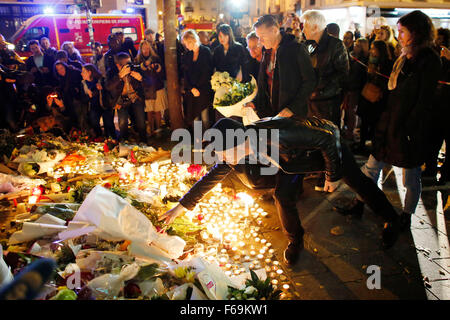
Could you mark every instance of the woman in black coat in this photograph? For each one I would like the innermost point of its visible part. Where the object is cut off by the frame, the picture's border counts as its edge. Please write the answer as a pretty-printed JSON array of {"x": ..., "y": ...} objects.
[
  {"x": 197, "y": 69},
  {"x": 230, "y": 56},
  {"x": 401, "y": 134}
]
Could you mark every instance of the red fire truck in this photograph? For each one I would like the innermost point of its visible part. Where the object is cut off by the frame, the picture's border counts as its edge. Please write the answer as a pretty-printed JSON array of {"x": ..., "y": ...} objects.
[{"x": 66, "y": 27}]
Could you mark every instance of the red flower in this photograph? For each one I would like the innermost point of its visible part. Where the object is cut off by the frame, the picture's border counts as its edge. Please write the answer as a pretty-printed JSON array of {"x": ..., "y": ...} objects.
[
  {"x": 200, "y": 217},
  {"x": 195, "y": 170},
  {"x": 133, "y": 158},
  {"x": 107, "y": 185},
  {"x": 105, "y": 148}
]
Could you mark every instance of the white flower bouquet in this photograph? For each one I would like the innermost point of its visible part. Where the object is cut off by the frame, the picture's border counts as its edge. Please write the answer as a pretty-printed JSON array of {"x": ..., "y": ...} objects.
[{"x": 231, "y": 95}]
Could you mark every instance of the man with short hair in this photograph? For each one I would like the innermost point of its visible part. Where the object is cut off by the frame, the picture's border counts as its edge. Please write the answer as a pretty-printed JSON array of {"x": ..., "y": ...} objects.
[
  {"x": 114, "y": 45},
  {"x": 285, "y": 81},
  {"x": 40, "y": 65},
  {"x": 61, "y": 55},
  {"x": 255, "y": 50},
  {"x": 204, "y": 38},
  {"x": 47, "y": 48},
  {"x": 127, "y": 95},
  {"x": 348, "y": 41},
  {"x": 98, "y": 59}
]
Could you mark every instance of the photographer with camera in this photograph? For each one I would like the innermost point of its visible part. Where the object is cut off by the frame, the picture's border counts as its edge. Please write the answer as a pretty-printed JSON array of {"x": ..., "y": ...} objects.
[
  {"x": 153, "y": 83},
  {"x": 127, "y": 95}
]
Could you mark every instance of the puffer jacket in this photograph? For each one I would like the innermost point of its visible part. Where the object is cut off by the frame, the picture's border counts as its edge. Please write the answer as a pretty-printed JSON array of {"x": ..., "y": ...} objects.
[{"x": 305, "y": 145}]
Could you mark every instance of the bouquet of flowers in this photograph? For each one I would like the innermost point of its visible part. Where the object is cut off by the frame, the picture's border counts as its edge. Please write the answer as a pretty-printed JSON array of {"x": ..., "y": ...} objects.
[{"x": 231, "y": 95}]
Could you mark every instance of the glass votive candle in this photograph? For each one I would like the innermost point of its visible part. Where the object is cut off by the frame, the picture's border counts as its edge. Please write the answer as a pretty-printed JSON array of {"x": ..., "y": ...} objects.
[
  {"x": 260, "y": 256},
  {"x": 274, "y": 281},
  {"x": 223, "y": 259},
  {"x": 279, "y": 271},
  {"x": 211, "y": 250},
  {"x": 263, "y": 241},
  {"x": 199, "y": 249},
  {"x": 227, "y": 243},
  {"x": 285, "y": 286}
]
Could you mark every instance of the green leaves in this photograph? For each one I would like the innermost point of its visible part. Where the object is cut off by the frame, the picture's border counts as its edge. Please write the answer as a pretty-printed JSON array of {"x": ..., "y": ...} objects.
[{"x": 256, "y": 289}]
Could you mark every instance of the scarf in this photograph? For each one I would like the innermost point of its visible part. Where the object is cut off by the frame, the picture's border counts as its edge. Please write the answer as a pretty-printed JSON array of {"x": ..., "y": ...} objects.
[{"x": 397, "y": 68}]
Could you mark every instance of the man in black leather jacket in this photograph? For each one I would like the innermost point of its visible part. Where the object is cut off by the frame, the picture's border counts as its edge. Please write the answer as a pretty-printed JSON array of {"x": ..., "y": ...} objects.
[
  {"x": 330, "y": 61},
  {"x": 305, "y": 145}
]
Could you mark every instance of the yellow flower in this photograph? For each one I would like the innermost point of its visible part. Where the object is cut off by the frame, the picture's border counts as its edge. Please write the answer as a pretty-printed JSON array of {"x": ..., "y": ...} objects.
[
  {"x": 190, "y": 276},
  {"x": 180, "y": 272}
]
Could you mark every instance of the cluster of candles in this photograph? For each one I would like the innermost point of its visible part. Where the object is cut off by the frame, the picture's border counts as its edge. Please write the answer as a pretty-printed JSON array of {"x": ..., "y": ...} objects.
[
  {"x": 232, "y": 234},
  {"x": 87, "y": 168},
  {"x": 233, "y": 237}
]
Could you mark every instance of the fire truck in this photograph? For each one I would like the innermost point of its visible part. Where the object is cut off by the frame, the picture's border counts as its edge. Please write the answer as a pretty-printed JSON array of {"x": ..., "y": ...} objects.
[{"x": 73, "y": 27}]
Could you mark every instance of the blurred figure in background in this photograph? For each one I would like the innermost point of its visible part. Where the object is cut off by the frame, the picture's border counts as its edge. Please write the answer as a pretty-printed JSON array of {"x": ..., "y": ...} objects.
[
  {"x": 204, "y": 38},
  {"x": 254, "y": 48},
  {"x": 348, "y": 41},
  {"x": 386, "y": 34},
  {"x": 197, "y": 69},
  {"x": 47, "y": 48},
  {"x": 374, "y": 93},
  {"x": 333, "y": 30},
  {"x": 72, "y": 52},
  {"x": 230, "y": 56},
  {"x": 153, "y": 83}
]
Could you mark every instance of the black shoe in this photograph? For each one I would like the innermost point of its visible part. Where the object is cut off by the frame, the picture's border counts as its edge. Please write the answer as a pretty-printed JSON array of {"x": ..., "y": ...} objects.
[
  {"x": 292, "y": 252},
  {"x": 405, "y": 221},
  {"x": 390, "y": 234},
  {"x": 355, "y": 209}
]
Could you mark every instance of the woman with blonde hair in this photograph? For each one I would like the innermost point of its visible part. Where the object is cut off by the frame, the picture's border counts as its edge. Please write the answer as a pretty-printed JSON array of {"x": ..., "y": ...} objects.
[
  {"x": 386, "y": 34},
  {"x": 153, "y": 82},
  {"x": 197, "y": 69}
]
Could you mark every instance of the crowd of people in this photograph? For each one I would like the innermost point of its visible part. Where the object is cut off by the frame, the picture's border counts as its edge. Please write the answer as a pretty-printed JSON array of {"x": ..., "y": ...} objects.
[
  {"x": 317, "y": 89},
  {"x": 393, "y": 91}
]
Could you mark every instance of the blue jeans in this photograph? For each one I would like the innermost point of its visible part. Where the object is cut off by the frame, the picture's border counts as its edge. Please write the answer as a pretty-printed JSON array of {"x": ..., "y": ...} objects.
[{"x": 411, "y": 180}]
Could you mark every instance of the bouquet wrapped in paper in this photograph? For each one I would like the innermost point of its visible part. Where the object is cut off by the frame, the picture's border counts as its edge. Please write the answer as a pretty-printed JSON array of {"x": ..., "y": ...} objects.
[{"x": 231, "y": 95}]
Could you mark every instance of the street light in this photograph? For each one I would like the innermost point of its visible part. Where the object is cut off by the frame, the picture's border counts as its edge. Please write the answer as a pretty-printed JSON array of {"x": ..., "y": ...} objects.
[{"x": 49, "y": 10}]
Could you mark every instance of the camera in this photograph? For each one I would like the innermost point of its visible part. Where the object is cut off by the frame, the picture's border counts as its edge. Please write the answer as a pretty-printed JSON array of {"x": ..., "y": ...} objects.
[{"x": 134, "y": 67}]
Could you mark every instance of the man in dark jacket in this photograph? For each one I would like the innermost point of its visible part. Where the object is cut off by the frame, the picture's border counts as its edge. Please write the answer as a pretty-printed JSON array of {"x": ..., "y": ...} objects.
[
  {"x": 305, "y": 145},
  {"x": 40, "y": 65},
  {"x": 285, "y": 81},
  {"x": 330, "y": 61},
  {"x": 127, "y": 95},
  {"x": 47, "y": 48},
  {"x": 286, "y": 77},
  {"x": 114, "y": 45}
]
